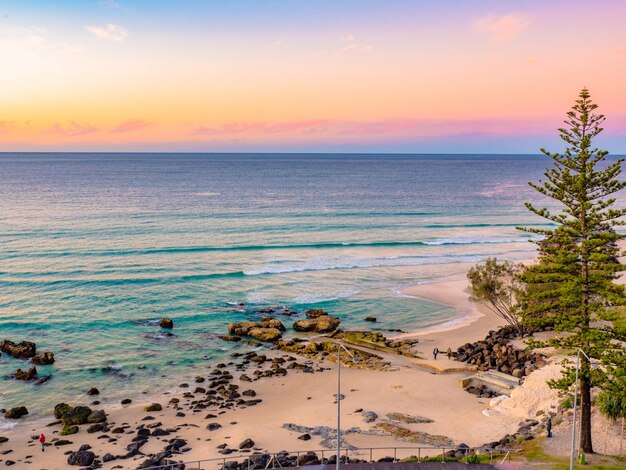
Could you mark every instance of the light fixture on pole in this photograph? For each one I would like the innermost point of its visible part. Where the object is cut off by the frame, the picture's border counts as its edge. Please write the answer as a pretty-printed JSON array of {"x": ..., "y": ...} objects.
[
  {"x": 339, "y": 348},
  {"x": 573, "y": 454}
]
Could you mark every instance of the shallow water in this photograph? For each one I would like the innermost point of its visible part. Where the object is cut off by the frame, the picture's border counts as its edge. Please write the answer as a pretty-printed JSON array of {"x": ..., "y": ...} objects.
[{"x": 96, "y": 248}]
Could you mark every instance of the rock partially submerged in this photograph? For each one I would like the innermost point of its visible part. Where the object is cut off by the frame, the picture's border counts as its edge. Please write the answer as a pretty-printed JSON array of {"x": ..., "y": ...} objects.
[
  {"x": 317, "y": 324},
  {"x": 25, "y": 374},
  {"x": 378, "y": 342},
  {"x": 43, "y": 358},
  {"x": 23, "y": 350},
  {"x": 166, "y": 323},
  {"x": 267, "y": 329},
  {"x": 16, "y": 413}
]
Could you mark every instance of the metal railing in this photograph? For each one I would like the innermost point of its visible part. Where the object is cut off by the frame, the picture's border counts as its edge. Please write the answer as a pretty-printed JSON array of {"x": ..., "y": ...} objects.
[{"x": 419, "y": 454}]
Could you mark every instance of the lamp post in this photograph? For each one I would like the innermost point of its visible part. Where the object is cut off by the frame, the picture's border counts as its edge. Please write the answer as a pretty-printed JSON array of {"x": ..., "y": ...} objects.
[
  {"x": 573, "y": 454},
  {"x": 339, "y": 348}
]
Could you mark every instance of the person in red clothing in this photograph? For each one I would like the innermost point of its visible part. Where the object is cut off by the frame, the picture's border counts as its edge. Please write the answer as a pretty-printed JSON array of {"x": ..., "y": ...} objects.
[{"x": 42, "y": 439}]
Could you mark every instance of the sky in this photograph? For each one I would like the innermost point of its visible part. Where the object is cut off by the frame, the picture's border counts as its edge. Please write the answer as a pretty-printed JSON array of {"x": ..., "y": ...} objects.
[{"x": 407, "y": 76}]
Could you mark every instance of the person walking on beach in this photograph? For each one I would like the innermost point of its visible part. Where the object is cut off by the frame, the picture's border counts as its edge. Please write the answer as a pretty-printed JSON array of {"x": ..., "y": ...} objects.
[
  {"x": 449, "y": 352},
  {"x": 435, "y": 352},
  {"x": 42, "y": 439},
  {"x": 549, "y": 427}
]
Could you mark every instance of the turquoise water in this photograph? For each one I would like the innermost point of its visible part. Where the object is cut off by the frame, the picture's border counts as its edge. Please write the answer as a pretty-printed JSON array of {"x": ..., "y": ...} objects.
[{"x": 96, "y": 248}]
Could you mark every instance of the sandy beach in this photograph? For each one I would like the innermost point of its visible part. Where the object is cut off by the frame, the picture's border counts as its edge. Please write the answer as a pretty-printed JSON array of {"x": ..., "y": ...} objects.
[{"x": 304, "y": 399}]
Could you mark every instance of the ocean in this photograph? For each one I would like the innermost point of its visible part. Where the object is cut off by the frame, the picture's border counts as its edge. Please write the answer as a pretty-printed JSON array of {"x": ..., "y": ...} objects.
[{"x": 96, "y": 248}]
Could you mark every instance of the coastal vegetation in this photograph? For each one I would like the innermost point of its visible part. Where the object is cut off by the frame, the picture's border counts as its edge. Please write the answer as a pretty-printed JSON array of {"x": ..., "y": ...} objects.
[{"x": 571, "y": 286}]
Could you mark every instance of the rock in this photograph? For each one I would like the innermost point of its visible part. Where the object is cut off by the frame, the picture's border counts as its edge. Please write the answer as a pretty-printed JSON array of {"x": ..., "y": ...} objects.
[
  {"x": 93, "y": 391},
  {"x": 213, "y": 426},
  {"x": 249, "y": 393},
  {"x": 77, "y": 415},
  {"x": 232, "y": 338},
  {"x": 126, "y": 401},
  {"x": 108, "y": 457},
  {"x": 305, "y": 437},
  {"x": 62, "y": 442},
  {"x": 25, "y": 375},
  {"x": 246, "y": 444},
  {"x": 268, "y": 335},
  {"x": 66, "y": 430},
  {"x": 166, "y": 323},
  {"x": 404, "y": 418},
  {"x": 98, "y": 427},
  {"x": 3, "y": 439},
  {"x": 16, "y": 413},
  {"x": 97, "y": 416},
  {"x": 369, "y": 416},
  {"x": 81, "y": 458},
  {"x": 321, "y": 324},
  {"x": 153, "y": 407},
  {"x": 43, "y": 359},
  {"x": 315, "y": 313},
  {"x": 370, "y": 319},
  {"x": 23, "y": 350},
  {"x": 61, "y": 409}
]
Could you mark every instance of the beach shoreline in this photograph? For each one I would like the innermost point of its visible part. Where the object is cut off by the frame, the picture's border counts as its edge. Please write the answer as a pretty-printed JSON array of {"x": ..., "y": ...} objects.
[{"x": 307, "y": 400}]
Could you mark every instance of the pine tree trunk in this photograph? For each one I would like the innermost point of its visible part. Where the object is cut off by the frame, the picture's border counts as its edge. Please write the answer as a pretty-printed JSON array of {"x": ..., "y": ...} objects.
[{"x": 585, "y": 415}]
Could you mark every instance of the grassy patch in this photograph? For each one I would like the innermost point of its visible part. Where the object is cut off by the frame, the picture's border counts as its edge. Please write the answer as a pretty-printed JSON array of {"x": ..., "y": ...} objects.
[{"x": 532, "y": 452}]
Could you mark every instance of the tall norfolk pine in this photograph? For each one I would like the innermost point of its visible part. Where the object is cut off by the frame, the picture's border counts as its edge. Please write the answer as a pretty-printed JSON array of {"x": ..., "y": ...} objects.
[{"x": 571, "y": 286}]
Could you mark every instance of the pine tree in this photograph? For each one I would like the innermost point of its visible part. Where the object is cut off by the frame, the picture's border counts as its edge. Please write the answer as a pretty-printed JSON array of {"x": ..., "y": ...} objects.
[{"x": 571, "y": 286}]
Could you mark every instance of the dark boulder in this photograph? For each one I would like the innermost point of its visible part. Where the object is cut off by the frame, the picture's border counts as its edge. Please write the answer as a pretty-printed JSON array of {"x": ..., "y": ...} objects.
[
  {"x": 23, "y": 350},
  {"x": 77, "y": 415},
  {"x": 166, "y": 323},
  {"x": 61, "y": 409},
  {"x": 25, "y": 374},
  {"x": 81, "y": 458},
  {"x": 16, "y": 413},
  {"x": 43, "y": 358}
]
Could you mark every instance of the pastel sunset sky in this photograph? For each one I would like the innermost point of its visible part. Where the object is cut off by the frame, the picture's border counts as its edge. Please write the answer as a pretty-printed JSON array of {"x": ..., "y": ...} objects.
[{"x": 323, "y": 75}]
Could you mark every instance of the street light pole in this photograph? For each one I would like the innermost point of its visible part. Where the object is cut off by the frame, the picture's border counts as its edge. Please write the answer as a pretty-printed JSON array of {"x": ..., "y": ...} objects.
[
  {"x": 338, "y": 403},
  {"x": 339, "y": 348},
  {"x": 573, "y": 454}
]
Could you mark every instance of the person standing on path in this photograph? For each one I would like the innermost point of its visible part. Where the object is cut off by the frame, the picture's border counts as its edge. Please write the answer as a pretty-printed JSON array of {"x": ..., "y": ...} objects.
[
  {"x": 435, "y": 352},
  {"x": 549, "y": 427},
  {"x": 449, "y": 352},
  {"x": 42, "y": 439}
]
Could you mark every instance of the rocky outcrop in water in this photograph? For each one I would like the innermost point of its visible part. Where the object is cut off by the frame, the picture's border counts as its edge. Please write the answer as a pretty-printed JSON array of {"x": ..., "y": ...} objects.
[
  {"x": 43, "y": 358},
  {"x": 23, "y": 350},
  {"x": 25, "y": 374},
  {"x": 378, "y": 342},
  {"x": 267, "y": 329},
  {"x": 317, "y": 324},
  {"x": 16, "y": 413},
  {"x": 166, "y": 323}
]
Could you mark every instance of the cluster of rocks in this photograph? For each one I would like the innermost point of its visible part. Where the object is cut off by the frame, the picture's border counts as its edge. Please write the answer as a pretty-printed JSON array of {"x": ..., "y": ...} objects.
[
  {"x": 327, "y": 349},
  {"x": 378, "y": 342},
  {"x": 495, "y": 352},
  {"x": 318, "y": 321},
  {"x": 26, "y": 350},
  {"x": 71, "y": 417},
  {"x": 267, "y": 329},
  {"x": 481, "y": 391}
]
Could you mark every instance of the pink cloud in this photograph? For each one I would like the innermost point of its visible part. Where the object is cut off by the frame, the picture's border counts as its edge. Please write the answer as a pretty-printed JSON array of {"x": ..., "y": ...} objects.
[
  {"x": 501, "y": 28},
  {"x": 72, "y": 129},
  {"x": 381, "y": 128},
  {"x": 131, "y": 125}
]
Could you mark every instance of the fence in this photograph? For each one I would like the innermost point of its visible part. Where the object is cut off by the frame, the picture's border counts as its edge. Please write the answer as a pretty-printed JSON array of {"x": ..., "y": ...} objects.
[{"x": 362, "y": 453}]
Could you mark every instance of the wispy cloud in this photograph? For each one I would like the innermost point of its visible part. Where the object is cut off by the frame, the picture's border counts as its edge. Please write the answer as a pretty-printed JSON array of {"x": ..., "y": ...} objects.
[
  {"x": 347, "y": 43},
  {"x": 324, "y": 128},
  {"x": 21, "y": 39},
  {"x": 6, "y": 126},
  {"x": 72, "y": 129},
  {"x": 501, "y": 28},
  {"x": 109, "y": 31},
  {"x": 131, "y": 125}
]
